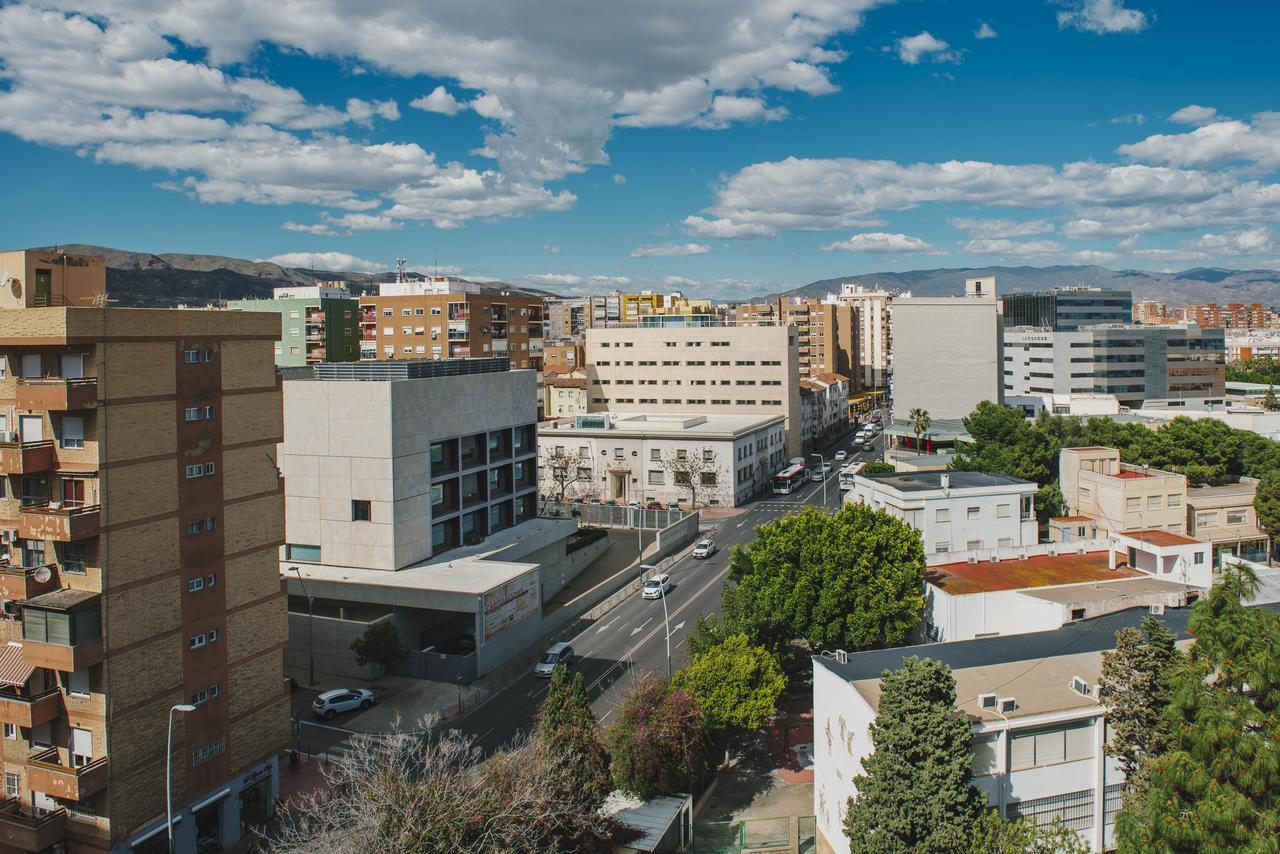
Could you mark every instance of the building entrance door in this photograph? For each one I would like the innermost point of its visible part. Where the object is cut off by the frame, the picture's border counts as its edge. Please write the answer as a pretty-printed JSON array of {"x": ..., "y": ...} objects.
[{"x": 618, "y": 482}]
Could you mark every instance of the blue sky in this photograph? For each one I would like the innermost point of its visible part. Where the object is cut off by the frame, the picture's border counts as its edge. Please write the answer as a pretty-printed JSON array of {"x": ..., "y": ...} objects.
[{"x": 723, "y": 147}]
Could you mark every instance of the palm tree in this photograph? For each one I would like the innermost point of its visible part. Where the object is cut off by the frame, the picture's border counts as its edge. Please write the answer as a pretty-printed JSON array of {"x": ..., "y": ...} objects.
[{"x": 920, "y": 423}]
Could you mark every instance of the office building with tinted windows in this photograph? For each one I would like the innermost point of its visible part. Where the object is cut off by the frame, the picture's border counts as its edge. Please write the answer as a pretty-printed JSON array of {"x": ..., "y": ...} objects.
[{"x": 1067, "y": 309}]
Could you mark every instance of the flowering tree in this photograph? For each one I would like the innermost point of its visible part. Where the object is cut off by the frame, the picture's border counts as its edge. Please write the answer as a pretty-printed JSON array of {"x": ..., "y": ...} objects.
[{"x": 658, "y": 744}]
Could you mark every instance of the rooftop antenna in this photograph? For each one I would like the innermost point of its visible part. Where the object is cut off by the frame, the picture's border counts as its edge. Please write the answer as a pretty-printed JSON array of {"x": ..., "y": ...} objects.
[{"x": 400, "y": 262}]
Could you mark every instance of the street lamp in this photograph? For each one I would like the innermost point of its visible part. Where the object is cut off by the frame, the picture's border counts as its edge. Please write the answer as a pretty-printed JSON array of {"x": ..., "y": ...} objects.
[
  {"x": 311, "y": 630},
  {"x": 168, "y": 770},
  {"x": 666, "y": 622},
  {"x": 822, "y": 473}
]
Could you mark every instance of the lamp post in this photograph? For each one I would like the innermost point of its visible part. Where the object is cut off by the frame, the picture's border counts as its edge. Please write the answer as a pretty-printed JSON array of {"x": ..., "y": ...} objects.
[
  {"x": 666, "y": 623},
  {"x": 822, "y": 473},
  {"x": 311, "y": 630},
  {"x": 168, "y": 771}
]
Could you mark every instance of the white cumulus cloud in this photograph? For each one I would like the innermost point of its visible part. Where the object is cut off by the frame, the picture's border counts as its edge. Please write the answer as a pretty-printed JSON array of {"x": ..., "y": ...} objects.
[
  {"x": 883, "y": 242},
  {"x": 923, "y": 45},
  {"x": 1013, "y": 248},
  {"x": 1101, "y": 17},
  {"x": 1194, "y": 114},
  {"x": 326, "y": 261},
  {"x": 985, "y": 31},
  {"x": 992, "y": 228},
  {"x": 651, "y": 250},
  {"x": 438, "y": 100}
]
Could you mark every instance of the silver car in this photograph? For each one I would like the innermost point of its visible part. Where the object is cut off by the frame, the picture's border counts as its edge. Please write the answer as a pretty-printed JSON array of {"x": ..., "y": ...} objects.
[{"x": 330, "y": 703}]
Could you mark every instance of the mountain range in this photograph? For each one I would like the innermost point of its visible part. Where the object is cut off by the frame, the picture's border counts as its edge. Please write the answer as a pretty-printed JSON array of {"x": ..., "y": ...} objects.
[
  {"x": 1199, "y": 285},
  {"x": 171, "y": 278},
  {"x": 146, "y": 279}
]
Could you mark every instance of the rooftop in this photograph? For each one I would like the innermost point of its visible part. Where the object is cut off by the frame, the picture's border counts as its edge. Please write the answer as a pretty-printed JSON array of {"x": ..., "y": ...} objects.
[
  {"x": 1071, "y": 519},
  {"x": 1139, "y": 590},
  {"x": 1036, "y": 571},
  {"x": 1129, "y": 474},
  {"x": 1161, "y": 538},
  {"x": 402, "y": 369},
  {"x": 1240, "y": 489},
  {"x": 61, "y": 600},
  {"x": 640, "y": 424},
  {"x": 924, "y": 481}
]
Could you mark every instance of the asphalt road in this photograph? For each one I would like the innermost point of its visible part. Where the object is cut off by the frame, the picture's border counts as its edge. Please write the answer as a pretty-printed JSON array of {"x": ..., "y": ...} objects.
[{"x": 631, "y": 640}]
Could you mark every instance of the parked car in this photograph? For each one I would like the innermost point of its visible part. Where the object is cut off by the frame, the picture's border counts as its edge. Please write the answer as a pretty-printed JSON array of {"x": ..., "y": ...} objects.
[
  {"x": 704, "y": 549},
  {"x": 330, "y": 703},
  {"x": 634, "y": 505},
  {"x": 673, "y": 505},
  {"x": 556, "y": 655},
  {"x": 657, "y": 587},
  {"x": 841, "y": 456},
  {"x": 654, "y": 505}
]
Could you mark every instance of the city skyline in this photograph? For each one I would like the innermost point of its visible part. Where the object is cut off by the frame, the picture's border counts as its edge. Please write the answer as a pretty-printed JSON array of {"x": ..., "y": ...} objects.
[{"x": 721, "y": 151}]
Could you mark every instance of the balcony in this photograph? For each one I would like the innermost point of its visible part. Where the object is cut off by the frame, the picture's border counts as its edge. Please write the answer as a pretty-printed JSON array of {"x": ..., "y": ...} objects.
[
  {"x": 30, "y": 710},
  {"x": 60, "y": 657},
  {"x": 51, "y": 521},
  {"x": 26, "y": 457},
  {"x": 56, "y": 394},
  {"x": 19, "y": 583},
  {"x": 46, "y": 772},
  {"x": 21, "y": 830}
]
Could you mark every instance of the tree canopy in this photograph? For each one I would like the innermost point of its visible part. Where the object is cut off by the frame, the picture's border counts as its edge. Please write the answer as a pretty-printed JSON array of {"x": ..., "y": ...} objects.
[
  {"x": 1261, "y": 370},
  {"x": 658, "y": 744},
  {"x": 736, "y": 685},
  {"x": 853, "y": 579},
  {"x": 379, "y": 645},
  {"x": 917, "y": 791},
  {"x": 1217, "y": 787},
  {"x": 567, "y": 723},
  {"x": 995, "y": 835},
  {"x": 1267, "y": 501}
]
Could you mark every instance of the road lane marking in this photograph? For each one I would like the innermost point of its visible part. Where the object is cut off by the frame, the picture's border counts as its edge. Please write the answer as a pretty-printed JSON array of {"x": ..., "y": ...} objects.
[{"x": 640, "y": 628}]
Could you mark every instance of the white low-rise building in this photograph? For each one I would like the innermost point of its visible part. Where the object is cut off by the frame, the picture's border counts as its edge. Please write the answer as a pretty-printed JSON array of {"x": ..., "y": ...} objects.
[
  {"x": 623, "y": 457},
  {"x": 824, "y": 408},
  {"x": 1038, "y": 727},
  {"x": 954, "y": 511}
]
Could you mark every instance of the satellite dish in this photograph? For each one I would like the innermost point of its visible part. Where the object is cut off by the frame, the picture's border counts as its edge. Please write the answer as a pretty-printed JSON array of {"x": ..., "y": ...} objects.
[{"x": 42, "y": 574}]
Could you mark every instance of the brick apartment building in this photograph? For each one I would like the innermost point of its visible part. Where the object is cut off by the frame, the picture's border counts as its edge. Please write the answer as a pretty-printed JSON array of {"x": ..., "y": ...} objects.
[
  {"x": 828, "y": 333},
  {"x": 141, "y": 514},
  {"x": 452, "y": 326}
]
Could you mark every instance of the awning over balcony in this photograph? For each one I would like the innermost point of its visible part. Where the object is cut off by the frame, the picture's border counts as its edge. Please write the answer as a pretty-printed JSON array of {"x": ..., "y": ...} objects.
[{"x": 13, "y": 670}]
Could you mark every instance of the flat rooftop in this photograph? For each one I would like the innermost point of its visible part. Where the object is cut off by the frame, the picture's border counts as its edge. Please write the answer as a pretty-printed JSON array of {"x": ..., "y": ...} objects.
[
  {"x": 1226, "y": 490},
  {"x": 400, "y": 369},
  {"x": 1071, "y": 519},
  {"x": 654, "y": 423},
  {"x": 1129, "y": 474},
  {"x": 1108, "y": 591},
  {"x": 926, "y": 481},
  {"x": 1161, "y": 538},
  {"x": 962, "y": 578}
]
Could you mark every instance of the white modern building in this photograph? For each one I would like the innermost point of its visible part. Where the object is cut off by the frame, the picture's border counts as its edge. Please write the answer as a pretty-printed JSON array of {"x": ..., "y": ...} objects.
[
  {"x": 946, "y": 352},
  {"x": 954, "y": 511},
  {"x": 631, "y": 456},
  {"x": 1038, "y": 727},
  {"x": 411, "y": 495}
]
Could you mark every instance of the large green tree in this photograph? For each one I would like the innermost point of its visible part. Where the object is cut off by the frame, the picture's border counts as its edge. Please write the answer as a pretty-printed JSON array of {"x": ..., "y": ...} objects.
[
  {"x": 379, "y": 645},
  {"x": 1217, "y": 787},
  {"x": 917, "y": 791},
  {"x": 567, "y": 725},
  {"x": 736, "y": 685},
  {"x": 1135, "y": 687},
  {"x": 1267, "y": 502},
  {"x": 853, "y": 579},
  {"x": 658, "y": 744},
  {"x": 1261, "y": 370}
]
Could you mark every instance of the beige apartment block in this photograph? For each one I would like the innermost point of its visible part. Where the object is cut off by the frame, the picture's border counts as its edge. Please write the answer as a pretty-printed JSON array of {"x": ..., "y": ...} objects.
[
  {"x": 1120, "y": 497},
  {"x": 828, "y": 333},
  {"x": 41, "y": 278},
  {"x": 1225, "y": 516},
  {"x": 141, "y": 514},
  {"x": 697, "y": 367},
  {"x": 873, "y": 342},
  {"x": 452, "y": 326}
]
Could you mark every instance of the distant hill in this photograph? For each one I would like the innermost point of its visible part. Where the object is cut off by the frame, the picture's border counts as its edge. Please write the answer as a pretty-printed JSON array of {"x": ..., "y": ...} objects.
[
  {"x": 1203, "y": 284},
  {"x": 167, "y": 279}
]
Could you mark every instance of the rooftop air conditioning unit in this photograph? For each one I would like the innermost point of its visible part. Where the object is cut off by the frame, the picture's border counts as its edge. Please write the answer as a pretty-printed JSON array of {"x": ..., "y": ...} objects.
[
  {"x": 1157, "y": 610},
  {"x": 1096, "y": 692},
  {"x": 1051, "y": 552},
  {"x": 972, "y": 558},
  {"x": 1080, "y": 550},
  {"x": 1022, "y": 556},
  {"x": 1006, "y": 705},
  {"x": 1079, "y": 686},
  {"x": 842, "y": 657},
  {"x": 986, "y": 701}
]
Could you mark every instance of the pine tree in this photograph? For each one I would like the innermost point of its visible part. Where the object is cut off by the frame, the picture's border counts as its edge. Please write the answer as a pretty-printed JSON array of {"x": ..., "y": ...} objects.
[
  {"x": 1217, "y": 788},
  {"x": 567, "y": 726},
  {"x": 917, "y": 793},
  {"x": 1135, "y": 687}
]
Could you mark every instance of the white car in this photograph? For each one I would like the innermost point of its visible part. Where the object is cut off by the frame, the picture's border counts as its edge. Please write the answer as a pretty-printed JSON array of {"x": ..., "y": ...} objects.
[
  {"x": 330, "y": 703},
  {"x": 704, "y": 549},
  {"x": 557, "y": 655},
  {"x": 842, "y": 456},
  {"x": 657, "y": 587}
]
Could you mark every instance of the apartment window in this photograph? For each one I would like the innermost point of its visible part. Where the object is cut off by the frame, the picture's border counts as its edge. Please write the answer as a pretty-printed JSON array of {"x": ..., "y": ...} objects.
[
  {"x": 709, "y": 478},
  {"x": 207, "y": 355},
  {"x": 1174, "y": 500},
  {"x": 11, "y": 780},
  {"x": 417, "y": 312},
  {"x": 1004, "y": 542},
  {"x": 200, "y": 697},
  {"x": 298, "y": 551},
  {"x": 73, "y": 558},
  {"x": 361, "y": 510},
  {"x": 406, "y": 312},
  {"x": 209, "y": 468},
  {"x": 293, "y": 351},
  {"x": 191, "y": 357},
  {"x": 973, "y": 545},
  {"x": 1133, "y": 505},
  {"x": 657, "y": 477},
  {"x": 72, "y": 431},
  {"x": 1002, "y": 511},
  {"x": 973, "y": 512},
  {"x": 194, "y": 471},
  {"x": 196, "y": 527},
  {"x": 1237, "y": 517},
  {"x": 213, "y": 635},
  {"x": 1086, "y": 494},
  {"x": 10, "y": 731},
  {"x": 985, "y": 757},
  {"x": 195, "y": 585},
  {"x": 214, "y": 691},
  {"x": 1039, "y": 748},
  {"x": 1155, "y": 502},
  {"x": 191, "y": 414},
  {"x": 211, "y": 581},
  {"x": 708, "y": 455},
  {"x": 941, "y": 548},
  {"x": 210, "y": 523},
  {"x": 655, "y": 455},
  {"x": 204, "y": 753},
  {"x": 942, "y": 514},
  {"x": 198, "y": 641},
  {"x": 682, "y": 454},
  {"x": 617, "y": 453},
  {"x": 294, "y": 332}
]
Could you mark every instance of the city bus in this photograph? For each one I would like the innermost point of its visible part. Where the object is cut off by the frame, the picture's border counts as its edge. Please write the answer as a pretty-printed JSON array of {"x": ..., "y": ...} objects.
[
  {"x": 847, "y": 474},
  {"x": 790, "y": 479}
]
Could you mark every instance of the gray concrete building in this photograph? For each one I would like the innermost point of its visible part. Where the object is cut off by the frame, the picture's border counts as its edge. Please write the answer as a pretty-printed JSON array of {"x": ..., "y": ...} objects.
[
  {"x": 411, "y": 495},
  {"x": 1067, "y": 309},
  {"x": 946, "y": 352}
]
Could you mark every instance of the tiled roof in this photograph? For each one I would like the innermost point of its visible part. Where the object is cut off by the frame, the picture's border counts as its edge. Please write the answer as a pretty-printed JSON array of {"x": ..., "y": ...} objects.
[{"x": 1161, "y": 538}]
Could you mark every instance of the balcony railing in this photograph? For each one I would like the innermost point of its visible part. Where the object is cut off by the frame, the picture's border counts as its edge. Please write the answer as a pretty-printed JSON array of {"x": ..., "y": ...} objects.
[
  {"x": 26, "y": 457},
  {"x": 22, "y": 830},
  {"x": 30, "y": 709},
  {"x": 50, "y": 521},
  {"x": 22, "y": 582},
  {"x": 46, "y": 772},
  {"x": 61, "y": 657},
  {"x": 56, "y": 394}
]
